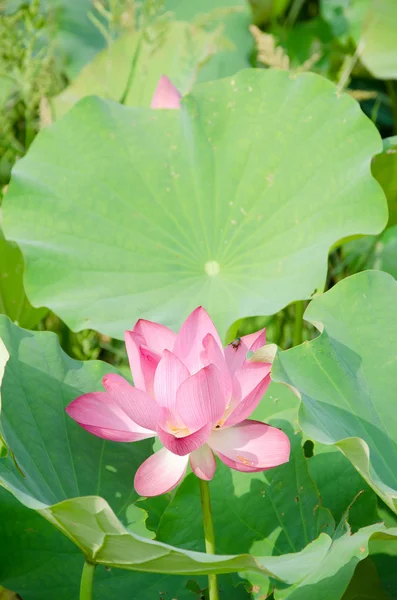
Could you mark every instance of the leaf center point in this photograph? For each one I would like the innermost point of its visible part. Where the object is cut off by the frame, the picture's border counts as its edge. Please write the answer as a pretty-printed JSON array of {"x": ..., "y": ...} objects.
[{"x": 212, "y": 268}]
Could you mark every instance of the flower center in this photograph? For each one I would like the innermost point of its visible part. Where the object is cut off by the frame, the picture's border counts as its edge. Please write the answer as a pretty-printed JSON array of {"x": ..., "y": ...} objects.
[
  {"x": 227, "y": 412},
  {"x": 177, "y": 430},
  {"x": 245, "y": 461}
]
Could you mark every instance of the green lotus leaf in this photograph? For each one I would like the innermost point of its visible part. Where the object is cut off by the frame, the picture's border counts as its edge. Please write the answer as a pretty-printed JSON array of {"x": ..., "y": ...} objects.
[
  {"x": 233, "y": 18},
  {"x": 366, "y": 583},
  {"x": 377, "y": 35},
  {"x": 99, "y": 534},
  {"x": 331, "y": 575},
  {"x": 333, "y": 13},
  {"x": 372, "y": 25},
  {"x": 383, "y": 553},
  {"x": 13, "y": 300},
  {"x": 231, "y": 202},
  {"x": 384, "y": 169},
  {"x": 341, "y": 487},
  {"x": 379, "y": 252},
  {"x": 390, "y": 143},
  {"x": 7, "y": 595},
  {"x": 175, "y": 48},
  {"x": 346, "y": 376},
  {"x": 266, "y": 10},
  {"x": 50, "y": 459},
  {"x": 36, "y": 559}
]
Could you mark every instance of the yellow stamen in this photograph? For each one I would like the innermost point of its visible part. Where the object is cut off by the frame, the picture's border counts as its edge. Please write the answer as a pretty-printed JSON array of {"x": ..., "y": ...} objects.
[
  {"x": 245, "y": 461},
  {"x": 177, "y": 430}
]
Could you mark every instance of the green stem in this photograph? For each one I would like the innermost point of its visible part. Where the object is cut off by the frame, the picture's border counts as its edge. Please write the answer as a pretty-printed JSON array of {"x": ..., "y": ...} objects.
[
  {"x": 30, "y": 131},
  {"x": 392, "y": 91},
  {"x": 209, "y": 535},
  {"x": 364, "y": 258},
  {"x": 293, "y": 13},
  {"x": 132, "y": 68},
  {"x": 279, "y": 328},
  {"x": 87, "y": 580},
  {"x": 298, "y": 327}
]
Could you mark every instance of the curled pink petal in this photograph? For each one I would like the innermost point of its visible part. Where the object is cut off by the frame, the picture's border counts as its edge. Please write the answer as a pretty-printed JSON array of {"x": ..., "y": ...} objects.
[
  {"x": 166, "y": 95},
  {"x": 235, "y": 355},
  {"x": 247, "y": 406},
  {"x": 133, "y": 342},
  {"x": 247, "y": 378},
  {"x": 200, "y": 399},
  {"x": 256, "y": 340},
  {"x": 251, "y": 444},
  {"x": 149, "y": 364},
  {"x": 99, "y": 414},
  {"x": 189, "y": 341},
  {"x": 157, "y": 337},
  {"x": 236, "y": 352},
  {"x": 143, "y": 361},
  {"x": 239, "y": 466},
  {"x": 170, "y": 374},
  {"x": 203, "y": 463},
  {"x": 138, "y": 405},
  {"x": 160, "y": 473},
  {"x": 187, "y": 444}
]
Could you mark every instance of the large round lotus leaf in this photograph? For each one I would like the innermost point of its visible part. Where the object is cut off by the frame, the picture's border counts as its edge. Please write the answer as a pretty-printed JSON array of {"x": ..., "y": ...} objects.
[
  {"x": 347, "y": 376},
  {"x": 231, "y": 202}
]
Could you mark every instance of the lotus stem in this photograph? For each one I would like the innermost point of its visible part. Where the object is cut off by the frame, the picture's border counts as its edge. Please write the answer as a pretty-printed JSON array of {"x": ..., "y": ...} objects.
[
  {"x": 298, "y": 327},
  {"x": 392, "y": 91},
  {"x": 87, "y": 580},
  {"x": 209, "y": 535},
  {"x": 293, "y": 13}
]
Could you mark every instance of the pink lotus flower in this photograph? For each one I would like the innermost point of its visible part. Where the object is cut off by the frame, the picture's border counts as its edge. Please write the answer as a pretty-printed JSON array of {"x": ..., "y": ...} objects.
[
  {"x": 194, "y": 395},
  {"x": 166, "y": 95}
]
